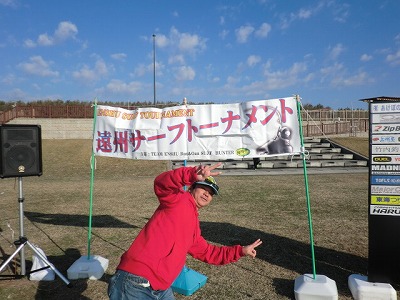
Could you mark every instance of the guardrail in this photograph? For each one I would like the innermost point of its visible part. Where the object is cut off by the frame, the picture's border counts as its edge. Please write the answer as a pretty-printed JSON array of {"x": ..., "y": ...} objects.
[
  {"x": 351, "y": 127},
  {"x": 50, "y": 111}
]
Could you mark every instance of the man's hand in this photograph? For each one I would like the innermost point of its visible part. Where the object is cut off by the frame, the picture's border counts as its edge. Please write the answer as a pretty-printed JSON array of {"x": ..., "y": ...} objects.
[
  {"x": 250, "y": 249},
  {"x": 204, "y": 171}
]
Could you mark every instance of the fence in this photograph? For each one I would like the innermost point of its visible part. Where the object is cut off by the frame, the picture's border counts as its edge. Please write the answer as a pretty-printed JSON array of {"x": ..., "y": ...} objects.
[{"x": 315, "y": 122}]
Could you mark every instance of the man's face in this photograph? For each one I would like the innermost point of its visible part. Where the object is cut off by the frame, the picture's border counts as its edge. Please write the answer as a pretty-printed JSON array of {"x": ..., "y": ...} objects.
[{"x": 202, "y": 195}]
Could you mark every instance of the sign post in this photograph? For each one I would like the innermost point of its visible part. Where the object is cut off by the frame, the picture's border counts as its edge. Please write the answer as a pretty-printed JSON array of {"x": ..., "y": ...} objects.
[{"x": 383, "y": 203}]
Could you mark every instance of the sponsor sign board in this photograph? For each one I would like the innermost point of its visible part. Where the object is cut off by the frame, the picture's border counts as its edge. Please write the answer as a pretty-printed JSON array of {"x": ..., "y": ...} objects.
[
  {"x": 384, "y": 191},
  {"x": 384, "y": 154}
]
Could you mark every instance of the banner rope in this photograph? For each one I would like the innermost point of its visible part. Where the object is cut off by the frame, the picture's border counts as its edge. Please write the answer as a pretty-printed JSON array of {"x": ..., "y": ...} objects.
[{"x": 313, "y": 121}]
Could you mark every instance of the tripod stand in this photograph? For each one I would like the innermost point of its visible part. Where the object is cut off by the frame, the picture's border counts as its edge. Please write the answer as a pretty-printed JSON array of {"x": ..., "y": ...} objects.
[{"x": 23, "y": 241}]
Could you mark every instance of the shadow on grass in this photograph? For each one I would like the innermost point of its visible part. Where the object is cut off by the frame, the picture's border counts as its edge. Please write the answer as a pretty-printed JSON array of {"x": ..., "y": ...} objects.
[
  {"x": 290, "y": 254},
  {"x": 281, "y": 251},
  {"x": 54, "y": 289},
  {"x": 98, "y": 221},
  {"x": 57, "y": 289}
]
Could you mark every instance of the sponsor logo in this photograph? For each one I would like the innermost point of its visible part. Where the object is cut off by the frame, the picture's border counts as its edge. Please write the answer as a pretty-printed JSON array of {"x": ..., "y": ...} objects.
[
  {"x": 382, "y": 159},
  {"x": 385, "y": 190},
  {"x": 385, "y": 159},
  {"x": 385, "y": 180},
  {"x": 385, "y": 199},
  {"x": 390, "y": 118},
  {"x": 242, "y": 152},
  {"x": 385, "y": 167},
  {"x": 385, "y": 139},
  {"x": 385, "y": 149},
  {"x": 384, "y": 210},
  {"x": 386, "y": 118},
  {"x": 388, "y": 107},
  {"x": 386, "y": 128}
]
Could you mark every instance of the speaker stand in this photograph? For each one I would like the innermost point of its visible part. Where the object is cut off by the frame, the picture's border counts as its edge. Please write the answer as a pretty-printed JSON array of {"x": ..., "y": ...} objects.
[{"x": 23, "y": 241}]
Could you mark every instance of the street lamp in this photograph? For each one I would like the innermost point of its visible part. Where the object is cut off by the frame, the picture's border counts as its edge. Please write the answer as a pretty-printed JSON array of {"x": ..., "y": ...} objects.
[{"x": 154, "y": 67}]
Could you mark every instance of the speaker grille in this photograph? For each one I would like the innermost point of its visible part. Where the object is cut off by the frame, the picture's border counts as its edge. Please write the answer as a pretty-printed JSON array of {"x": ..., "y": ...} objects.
[
  {"x": 20, "y": 158},
  {"x": 17, "y": 134}
]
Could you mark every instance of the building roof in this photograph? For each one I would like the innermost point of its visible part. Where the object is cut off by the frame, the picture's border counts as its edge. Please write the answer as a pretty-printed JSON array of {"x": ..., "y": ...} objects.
[{"x": 381, "y": 98}]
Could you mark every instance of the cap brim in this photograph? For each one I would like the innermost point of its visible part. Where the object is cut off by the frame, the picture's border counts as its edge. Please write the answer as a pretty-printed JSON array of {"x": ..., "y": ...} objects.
[{"x": 210, "y": 185}]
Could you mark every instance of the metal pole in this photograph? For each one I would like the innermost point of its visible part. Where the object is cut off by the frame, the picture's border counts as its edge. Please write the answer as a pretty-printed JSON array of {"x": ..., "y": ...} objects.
[
  {"x": 303, "y": 154},
  {"x": 21, "y": 223},
  {"x": 154, "y": 67},
  {"x": 92, "y": 171}
]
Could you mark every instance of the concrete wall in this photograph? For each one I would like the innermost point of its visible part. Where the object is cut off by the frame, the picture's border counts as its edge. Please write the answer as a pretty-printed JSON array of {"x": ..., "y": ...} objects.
[
  {"x": 83, "y": 128},
  {"x": 60, "y": 128}
]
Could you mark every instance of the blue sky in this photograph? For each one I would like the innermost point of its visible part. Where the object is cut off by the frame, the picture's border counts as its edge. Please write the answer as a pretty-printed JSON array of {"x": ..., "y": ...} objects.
[{"x": 329, "y": 52}]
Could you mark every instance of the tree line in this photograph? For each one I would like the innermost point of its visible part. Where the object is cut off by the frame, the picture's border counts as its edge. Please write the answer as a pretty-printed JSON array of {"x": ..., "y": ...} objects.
[{"x": 8, "y": 105}]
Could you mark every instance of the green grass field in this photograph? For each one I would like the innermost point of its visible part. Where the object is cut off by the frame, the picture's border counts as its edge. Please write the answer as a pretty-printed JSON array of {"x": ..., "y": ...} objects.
[{"x": 272, "y": 208}]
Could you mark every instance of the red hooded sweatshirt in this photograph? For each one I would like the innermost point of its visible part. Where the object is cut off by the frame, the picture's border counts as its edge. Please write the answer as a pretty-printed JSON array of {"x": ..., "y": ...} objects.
[{"x": 159, "y": 251}]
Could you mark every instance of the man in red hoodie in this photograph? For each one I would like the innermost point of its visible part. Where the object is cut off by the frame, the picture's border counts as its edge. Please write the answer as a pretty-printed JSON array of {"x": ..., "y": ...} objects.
[{"x": 158, "y": 254}]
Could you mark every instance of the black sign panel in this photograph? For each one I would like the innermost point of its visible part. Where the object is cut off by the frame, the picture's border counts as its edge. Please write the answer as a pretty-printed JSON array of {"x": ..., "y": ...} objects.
[{"x": 384, "y": 192}]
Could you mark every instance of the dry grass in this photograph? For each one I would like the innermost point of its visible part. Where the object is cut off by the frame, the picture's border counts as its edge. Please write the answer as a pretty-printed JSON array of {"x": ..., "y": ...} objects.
[
  {"x": 272, "y": 208},
  {"x": 357, "y": 144}
]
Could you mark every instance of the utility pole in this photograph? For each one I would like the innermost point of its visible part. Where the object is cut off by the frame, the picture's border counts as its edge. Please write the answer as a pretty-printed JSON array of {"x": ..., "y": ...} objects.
[{"x": 154, "y": 67}]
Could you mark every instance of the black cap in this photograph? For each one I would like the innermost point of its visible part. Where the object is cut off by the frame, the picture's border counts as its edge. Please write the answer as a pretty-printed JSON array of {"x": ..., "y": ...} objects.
[{"x": 209, "y": 181}]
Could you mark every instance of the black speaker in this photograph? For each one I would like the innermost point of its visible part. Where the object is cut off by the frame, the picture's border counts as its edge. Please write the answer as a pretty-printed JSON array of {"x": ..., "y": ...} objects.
[{"x": 21, "y": 150}]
